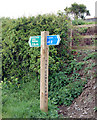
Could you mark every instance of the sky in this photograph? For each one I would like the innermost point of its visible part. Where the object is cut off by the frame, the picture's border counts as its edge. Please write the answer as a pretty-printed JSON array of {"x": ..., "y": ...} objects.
[{"x": 20, "y": 8}]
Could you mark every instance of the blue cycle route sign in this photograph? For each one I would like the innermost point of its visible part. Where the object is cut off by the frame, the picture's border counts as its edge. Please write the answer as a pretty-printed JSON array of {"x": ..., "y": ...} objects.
[{"x": 53, "y": 40}]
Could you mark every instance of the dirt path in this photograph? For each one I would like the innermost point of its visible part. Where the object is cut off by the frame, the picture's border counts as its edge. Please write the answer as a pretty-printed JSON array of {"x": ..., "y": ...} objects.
[{"x": 83, "y": 106}]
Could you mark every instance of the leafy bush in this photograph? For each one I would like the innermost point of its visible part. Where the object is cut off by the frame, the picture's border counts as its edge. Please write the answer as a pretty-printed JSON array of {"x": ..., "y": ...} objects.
[
  {"x": 78, "y": 22},
  {"x": 79, "y": 65},
  {"x": 81, "y": 22},
  {"x": 67, "y": 94},
  {"x": 19, "y": 60},
  {"x": 68, "y": 77}
]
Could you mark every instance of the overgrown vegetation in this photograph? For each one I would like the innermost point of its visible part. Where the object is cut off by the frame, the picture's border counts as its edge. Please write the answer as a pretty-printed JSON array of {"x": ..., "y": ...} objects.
[
  {"x": 80, "y": 34},
  {"x": 24, "y": 102},
  {"x": 81, "y": 22},
  {"x": 21, "y": 67}
]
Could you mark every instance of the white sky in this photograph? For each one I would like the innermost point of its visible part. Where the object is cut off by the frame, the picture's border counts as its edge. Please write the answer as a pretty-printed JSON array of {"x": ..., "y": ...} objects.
[{"x": 19, "y": 8}]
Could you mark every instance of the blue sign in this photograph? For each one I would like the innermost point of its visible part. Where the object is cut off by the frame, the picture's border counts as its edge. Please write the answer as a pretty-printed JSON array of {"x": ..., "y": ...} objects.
[{"x": 53, "y": 40}]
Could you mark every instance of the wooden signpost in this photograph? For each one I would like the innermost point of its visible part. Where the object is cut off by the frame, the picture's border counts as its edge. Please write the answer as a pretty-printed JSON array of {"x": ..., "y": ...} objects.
[
  {"x": 44, "y": 41},
  {"x": 44, "y": 72}
]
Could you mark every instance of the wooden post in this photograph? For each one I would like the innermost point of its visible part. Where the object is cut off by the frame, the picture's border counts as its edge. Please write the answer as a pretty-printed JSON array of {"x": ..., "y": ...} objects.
[
  {"x": 1, "y": 69},
  {"x": 71, "y": 42},
  {"x": 44, "y": 72}
]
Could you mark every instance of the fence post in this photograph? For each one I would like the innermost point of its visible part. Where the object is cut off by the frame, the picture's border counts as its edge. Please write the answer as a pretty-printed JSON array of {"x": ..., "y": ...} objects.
[{"x": 71, "y": 42}]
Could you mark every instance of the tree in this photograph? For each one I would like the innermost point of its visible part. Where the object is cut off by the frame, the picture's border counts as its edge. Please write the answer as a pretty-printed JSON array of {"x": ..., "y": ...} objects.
[{"x": 77, "y": 11}]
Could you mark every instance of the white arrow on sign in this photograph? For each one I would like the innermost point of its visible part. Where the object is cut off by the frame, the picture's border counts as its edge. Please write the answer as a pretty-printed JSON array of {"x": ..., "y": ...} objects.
[
  {"x": 58, "y": 39},
  {"x": 29, "y": 41}
]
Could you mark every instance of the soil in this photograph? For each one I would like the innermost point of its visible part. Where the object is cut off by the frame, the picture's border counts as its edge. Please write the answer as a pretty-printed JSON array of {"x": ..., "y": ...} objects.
[{"x": 83, "y": 106}]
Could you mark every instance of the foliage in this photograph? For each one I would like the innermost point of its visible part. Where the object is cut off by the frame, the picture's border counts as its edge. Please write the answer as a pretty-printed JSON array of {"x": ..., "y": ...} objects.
[
  {"x": 90, "y": 56},
  {"x": 24, "y": 102},
  {"x": 21, "y": 66},
  {"x": 77, "y": 35},
  {"x": 78, "y": 22},
  {"x": 81, "y": 22},
  {"x": 69, "y": 77},
  {"x": 67, "y": 94},
  {"x": 95, "y": 109},
  {"x": 77, "y": 10},
  {"x": 79, "y": 32},
  {"x": 19, "y": 60}
]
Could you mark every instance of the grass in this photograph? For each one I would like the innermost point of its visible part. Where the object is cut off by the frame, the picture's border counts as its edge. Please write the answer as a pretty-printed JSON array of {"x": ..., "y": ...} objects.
[{"x": 25, "y": 103}]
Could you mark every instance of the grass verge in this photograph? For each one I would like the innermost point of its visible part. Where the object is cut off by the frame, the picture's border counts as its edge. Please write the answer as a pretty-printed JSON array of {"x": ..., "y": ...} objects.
[{"x": 24, "y": 102}]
